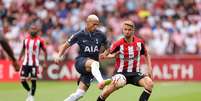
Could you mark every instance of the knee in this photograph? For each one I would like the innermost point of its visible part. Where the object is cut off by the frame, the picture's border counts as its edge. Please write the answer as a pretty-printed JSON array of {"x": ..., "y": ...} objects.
[
  {"x": 108, "y": 90},
  {"x": 91, "y": 64},
  {"x": 149, "y": 84},
  {"x": 23, "y": 80},
  {"x": 95, "y": 64}
]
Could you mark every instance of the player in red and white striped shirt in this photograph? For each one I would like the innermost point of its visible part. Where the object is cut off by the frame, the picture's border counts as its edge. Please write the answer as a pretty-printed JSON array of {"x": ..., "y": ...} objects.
[
  {"x": 31, "y": 50},
  {"x": 128, "y": 51},
  {"x": 129, "y": 55}
]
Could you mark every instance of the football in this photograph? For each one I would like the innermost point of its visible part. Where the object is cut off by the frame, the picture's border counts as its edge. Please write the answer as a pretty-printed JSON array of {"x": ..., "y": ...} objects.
[{"x": 121, "y": 80}]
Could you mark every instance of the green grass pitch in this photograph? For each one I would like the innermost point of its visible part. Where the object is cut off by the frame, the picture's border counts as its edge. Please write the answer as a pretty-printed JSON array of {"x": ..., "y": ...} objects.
[{"x": 58, "y": 91}]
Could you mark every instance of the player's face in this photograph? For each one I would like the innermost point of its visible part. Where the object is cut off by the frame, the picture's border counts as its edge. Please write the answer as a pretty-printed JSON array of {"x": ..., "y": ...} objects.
[
  {"x": 92, "y": 25},
  {"x": 33, "y": 31},
  {"x": 128, "y": 31}
]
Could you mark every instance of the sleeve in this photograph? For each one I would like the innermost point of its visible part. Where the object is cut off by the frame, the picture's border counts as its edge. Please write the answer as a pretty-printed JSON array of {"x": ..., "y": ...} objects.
[
  {"x": 143, "y": 50},
  {"x": 73, "y": 39},
  {"x": 114, "y": 47},
  {"x": 42, "y": 44},
  {"x": 105, "y": 42}
]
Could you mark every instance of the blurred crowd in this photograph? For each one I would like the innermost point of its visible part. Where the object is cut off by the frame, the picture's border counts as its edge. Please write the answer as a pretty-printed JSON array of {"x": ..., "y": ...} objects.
[{"x": 167, "y": 26}]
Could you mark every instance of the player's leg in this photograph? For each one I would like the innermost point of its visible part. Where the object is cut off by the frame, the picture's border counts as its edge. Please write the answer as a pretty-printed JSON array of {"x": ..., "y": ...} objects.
[
  {"x": 147, "y": 83},
  {"x": 33, "y": 82},
  {"x": 79, "y": 93},
  {"x": 33, "y": 86},
  {"x": 93, "y": 67},
  {"x": 23, "y": 77},
  {"x": 107, "y": 91},
  {"x": 138, "y": 79},
  {"x": 83, "y": 82},
  {"x": 83, "y": 85}
]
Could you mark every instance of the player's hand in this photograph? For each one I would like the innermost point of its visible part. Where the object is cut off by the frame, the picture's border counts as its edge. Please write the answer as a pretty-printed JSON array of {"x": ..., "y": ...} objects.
[
  {"x": 114, "y": 80},
  {"x": 16, "y": 66},
  {"x": 102, "y": 56},
  {"x": 58, "y": 59}
]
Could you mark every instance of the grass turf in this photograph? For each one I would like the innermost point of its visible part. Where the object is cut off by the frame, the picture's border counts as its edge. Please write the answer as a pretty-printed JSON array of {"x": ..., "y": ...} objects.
[{"x": 58, "y": 91}]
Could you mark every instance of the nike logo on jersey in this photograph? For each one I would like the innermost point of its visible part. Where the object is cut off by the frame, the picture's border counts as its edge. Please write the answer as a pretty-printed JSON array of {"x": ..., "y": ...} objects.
[{"x": 84, "y": 41}]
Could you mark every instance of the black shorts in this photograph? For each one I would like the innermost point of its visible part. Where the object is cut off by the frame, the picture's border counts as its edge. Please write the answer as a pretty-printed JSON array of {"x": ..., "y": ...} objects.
[
  {"x": 85, "y": 77},
  {"x": 27, "y": 71},
  {"x": 133, "y": 78}
]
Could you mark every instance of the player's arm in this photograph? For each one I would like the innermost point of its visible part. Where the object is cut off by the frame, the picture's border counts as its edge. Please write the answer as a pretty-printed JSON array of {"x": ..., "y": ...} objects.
[
  {"x": 106, "y": 54},
  {"x": 63, "y": 48},
  {"x": 105, "y": 45},
  {"x": 22, "y": 52},
  {"x": 7, "y": 48},
  {"x": 147, "y": 60},
  {"x": 114, "y": 50},
  {"x": 109, "y": 55},
  {"x": 111, "y": 52},
  {"x": 42, "y": 45},
  {"x": 72, "y": 40},
  {"x": 9, "y": 51}
]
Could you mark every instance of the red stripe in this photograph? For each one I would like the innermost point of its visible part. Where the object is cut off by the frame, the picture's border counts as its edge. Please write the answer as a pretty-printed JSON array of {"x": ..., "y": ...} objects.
[
  {"x": 126, "y": 57},
  {"x": 135, "y": 56},
  {"x": 27, "y": 46},
  {"x": 117, "y": 64},
  {"x": 134, "y": 65},
  {"x": 34, "y": 52}
]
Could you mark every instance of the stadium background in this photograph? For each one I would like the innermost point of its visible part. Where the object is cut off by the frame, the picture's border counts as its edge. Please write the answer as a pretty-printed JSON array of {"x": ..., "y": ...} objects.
[{"x": 170, "y": 28}]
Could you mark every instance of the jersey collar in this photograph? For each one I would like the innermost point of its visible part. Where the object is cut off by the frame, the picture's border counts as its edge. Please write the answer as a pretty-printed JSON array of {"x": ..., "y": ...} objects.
[
  {"x": 89, "y": 33},
  {"x": 132, "y": 40}
]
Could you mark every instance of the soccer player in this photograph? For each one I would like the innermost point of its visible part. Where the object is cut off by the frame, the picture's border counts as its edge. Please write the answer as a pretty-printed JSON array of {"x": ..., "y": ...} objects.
[
  {"x": 128, "y": 51},
  {"x": 89, "y": 40},
  {"x": 31, "y": 49},
  {"x": 9, "y": 51}
]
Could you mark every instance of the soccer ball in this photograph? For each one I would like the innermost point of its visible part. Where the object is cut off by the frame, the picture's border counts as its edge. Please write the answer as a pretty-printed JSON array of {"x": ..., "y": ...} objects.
[{"x": 120, "y": 80}]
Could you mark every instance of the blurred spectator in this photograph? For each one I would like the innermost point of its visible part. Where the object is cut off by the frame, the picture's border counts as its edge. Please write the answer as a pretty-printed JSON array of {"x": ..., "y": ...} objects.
[
  {"x": 159, "y": 43},
  {"x": 177, "y": 40},
  {"x": 167, "y": 26},
  {"x": 190, "y": 42}
]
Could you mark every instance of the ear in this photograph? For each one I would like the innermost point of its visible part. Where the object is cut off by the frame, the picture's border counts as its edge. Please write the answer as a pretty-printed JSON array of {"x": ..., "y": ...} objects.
[{"x": 134, "y": 30}]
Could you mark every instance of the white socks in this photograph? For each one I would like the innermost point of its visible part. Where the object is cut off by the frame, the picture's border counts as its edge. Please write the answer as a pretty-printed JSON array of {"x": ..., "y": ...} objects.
[
  {"x": 96, "y": 72},
  {"x": 75, "y": 96}
]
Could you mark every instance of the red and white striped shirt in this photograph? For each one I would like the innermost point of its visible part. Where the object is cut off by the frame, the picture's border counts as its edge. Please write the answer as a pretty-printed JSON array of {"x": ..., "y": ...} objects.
[
  {"x": 32, "y": 50},
  {"x": 128, "y": 59}
]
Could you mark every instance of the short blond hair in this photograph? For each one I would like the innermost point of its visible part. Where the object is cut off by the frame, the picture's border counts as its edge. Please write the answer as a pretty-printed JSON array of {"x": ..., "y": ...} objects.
[
  {"x": 92, "y": 17},
  {"x": 129, "y": 23}
]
